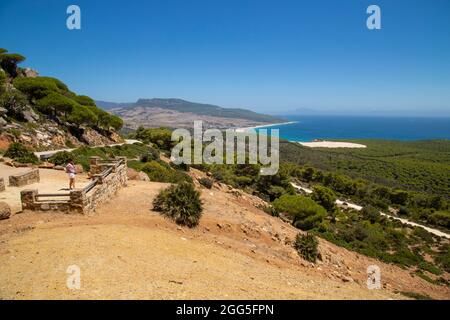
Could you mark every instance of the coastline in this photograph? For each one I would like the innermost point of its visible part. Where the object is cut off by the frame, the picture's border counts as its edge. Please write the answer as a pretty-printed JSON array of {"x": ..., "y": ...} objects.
[{"x": 263, "y": 126}]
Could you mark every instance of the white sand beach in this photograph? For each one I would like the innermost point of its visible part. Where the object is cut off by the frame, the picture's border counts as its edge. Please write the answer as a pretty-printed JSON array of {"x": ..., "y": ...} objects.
[{"x": 332, "y": 144}]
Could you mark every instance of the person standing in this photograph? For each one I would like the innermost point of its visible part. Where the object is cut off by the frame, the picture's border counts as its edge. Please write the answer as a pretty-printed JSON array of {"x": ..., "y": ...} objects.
[{"x": 71, "y": 171}]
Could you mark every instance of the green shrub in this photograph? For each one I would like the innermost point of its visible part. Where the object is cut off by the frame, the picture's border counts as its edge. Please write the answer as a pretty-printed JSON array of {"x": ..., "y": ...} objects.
[
  {"x": 444, "y": 258},
  {"x": 9, "y": 61},
  {"x": 158, "y": 172},
  {"x": 82, "y": 115},
  {"x": 181, "y": 203},
  {"x": 39, "y": 87},
  {"x": 106, "y": 120},
  {"x": 61, "y": 158},
  {"x": 153, "y": 154},
  {"x": 55, "y": 103},
  {"x": 305, "y": 212},
  {"x": 370, "y": 213},
  {"x": 84, "y": 100},
  {"x": 2, "y": 80},
  {"x": 307, "y": 246},
  {"x": 440, "y": 218},
  {"x": 182, "y": 166},
  {"x": 15, "y": 102},
  {"x": 325, "y": 197},
  {"x": 161, "y": 137},
  {"x": 20, "y": 153},
  {"x": 415, "y": 295},
  {"x": 269, "y": 209},
  {"x": 206, "y": 182}
]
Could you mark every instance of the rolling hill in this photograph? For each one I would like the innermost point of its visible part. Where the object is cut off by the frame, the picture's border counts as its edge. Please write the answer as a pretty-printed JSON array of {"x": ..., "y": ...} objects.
[{"x": 176, "y": 113}]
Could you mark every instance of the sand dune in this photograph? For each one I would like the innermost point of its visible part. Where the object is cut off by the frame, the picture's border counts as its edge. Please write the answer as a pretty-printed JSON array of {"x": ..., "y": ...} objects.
[{"x": 332, "y": 144}]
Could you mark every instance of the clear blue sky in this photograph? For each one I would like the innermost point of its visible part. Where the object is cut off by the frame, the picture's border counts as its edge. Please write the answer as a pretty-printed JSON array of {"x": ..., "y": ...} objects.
[{"x": 269, "y": 56}]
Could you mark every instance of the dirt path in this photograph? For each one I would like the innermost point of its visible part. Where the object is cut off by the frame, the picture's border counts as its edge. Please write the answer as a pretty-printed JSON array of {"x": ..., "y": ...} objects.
[
  {"x": 125, "y": 250},
  {"x": 49, "y": 153}
]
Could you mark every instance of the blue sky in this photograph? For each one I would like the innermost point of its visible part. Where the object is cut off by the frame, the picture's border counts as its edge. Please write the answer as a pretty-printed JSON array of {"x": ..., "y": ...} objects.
[{"x": 269, "y": 56}]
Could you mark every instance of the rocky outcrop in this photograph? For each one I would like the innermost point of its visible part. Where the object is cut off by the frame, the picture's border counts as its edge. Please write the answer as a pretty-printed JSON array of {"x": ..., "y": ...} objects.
[
  {"x": 93, "y": 138},
  {"x": 29, "y": 73}
]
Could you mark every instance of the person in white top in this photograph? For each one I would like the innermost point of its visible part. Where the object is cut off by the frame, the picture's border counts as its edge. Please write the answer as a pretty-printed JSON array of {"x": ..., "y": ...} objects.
[{"x": 71, "y": 171}]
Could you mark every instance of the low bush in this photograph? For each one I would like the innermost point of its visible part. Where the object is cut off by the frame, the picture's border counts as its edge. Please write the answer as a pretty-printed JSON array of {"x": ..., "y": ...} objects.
[
  {"x": 305, "y": 212},
  {"x": 153, "y": 154},
  {"x": 307, "y": 246},
  {"x": 160, "y": 172},
  {"x": 181, "y": 203},
  {"x": 60, "y": 158},
  {"x": 325, "y": 197},
  {"x": 20, "y": 153},
  {"x": 206, "y": 182}
]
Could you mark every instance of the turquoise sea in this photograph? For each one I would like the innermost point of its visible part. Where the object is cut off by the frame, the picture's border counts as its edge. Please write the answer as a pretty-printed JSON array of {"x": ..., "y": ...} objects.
[{"x": 308, "y": 128}]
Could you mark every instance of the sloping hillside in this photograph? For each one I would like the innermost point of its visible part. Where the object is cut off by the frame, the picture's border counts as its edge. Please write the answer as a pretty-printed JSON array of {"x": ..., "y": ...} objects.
[
  {"x": 176, "y": 113},
  {"x": 43, "y": 113},
  {"x": 126, "y": 250}
]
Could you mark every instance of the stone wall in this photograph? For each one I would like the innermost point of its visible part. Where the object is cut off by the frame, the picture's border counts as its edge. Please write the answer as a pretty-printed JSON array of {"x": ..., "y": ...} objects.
[
  {"x": 2, "y": 184},
  {"x": 23, "y": 179},
  {"x": 106, "y": 187},
  {"x": 82, "y": 200}
]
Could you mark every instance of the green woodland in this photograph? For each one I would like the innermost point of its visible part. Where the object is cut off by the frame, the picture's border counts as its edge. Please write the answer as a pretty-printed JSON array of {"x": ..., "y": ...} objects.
[{"x": 49, "y": 97}]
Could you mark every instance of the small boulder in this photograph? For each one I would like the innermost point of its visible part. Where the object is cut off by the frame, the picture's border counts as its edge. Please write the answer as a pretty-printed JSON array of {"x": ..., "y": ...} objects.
[
  {"x": 46, "y": 165},
  {"x": 143, "y": 176},
  {"x": 30, "y": 115},
  {"x": 79, "y": 168},
  {"x": 22, "y": 165},
  {"x": 5, "y": 211},
  {"x": 61, "y": 168},
  {"x": 132, "y": 174}
]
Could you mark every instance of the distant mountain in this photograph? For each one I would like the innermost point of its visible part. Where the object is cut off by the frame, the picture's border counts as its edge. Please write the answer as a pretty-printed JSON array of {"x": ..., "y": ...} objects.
[
  {"x": 177, "y": 113},
  {"x": 105, "y": 105}
]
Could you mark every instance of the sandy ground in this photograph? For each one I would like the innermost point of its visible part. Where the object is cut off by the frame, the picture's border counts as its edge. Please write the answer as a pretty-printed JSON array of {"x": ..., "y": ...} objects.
[
  {"x": 52, "y": 181},
  {"x": 125, "y": 250},
  {"x": 332, "y": 144}
]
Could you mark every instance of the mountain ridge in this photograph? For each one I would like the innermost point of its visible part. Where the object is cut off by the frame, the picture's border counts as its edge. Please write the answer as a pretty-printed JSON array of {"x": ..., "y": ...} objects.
[{"x": 174, "y": 112}]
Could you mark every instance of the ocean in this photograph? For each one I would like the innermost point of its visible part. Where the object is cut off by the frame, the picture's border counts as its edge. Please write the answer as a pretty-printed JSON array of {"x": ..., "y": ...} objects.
[{"x": 308, "y": 128}]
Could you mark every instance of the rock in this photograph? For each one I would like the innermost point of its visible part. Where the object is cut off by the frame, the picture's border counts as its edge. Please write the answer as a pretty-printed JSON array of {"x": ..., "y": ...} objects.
[
  {"x": 30, "y": 73},
  {"x": 346, "y": 279},
  {"x": 46, "y": 165},
  {"x": 5, "y": 211},
  {"x": 143, "y": 176},
  {"x": 3, "y": 111},
  {"x": 93, "y": 138},
  {"x": 3, "y": 122},
  {"x": 59, "y": 168},
  {"x": 79, "y": 168},
  {"x": 132, "y": 174},
  {"x": 9, "y": 163},
  {"x": 30, "y": 115},
  {"x": 22, "y": 165}
]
